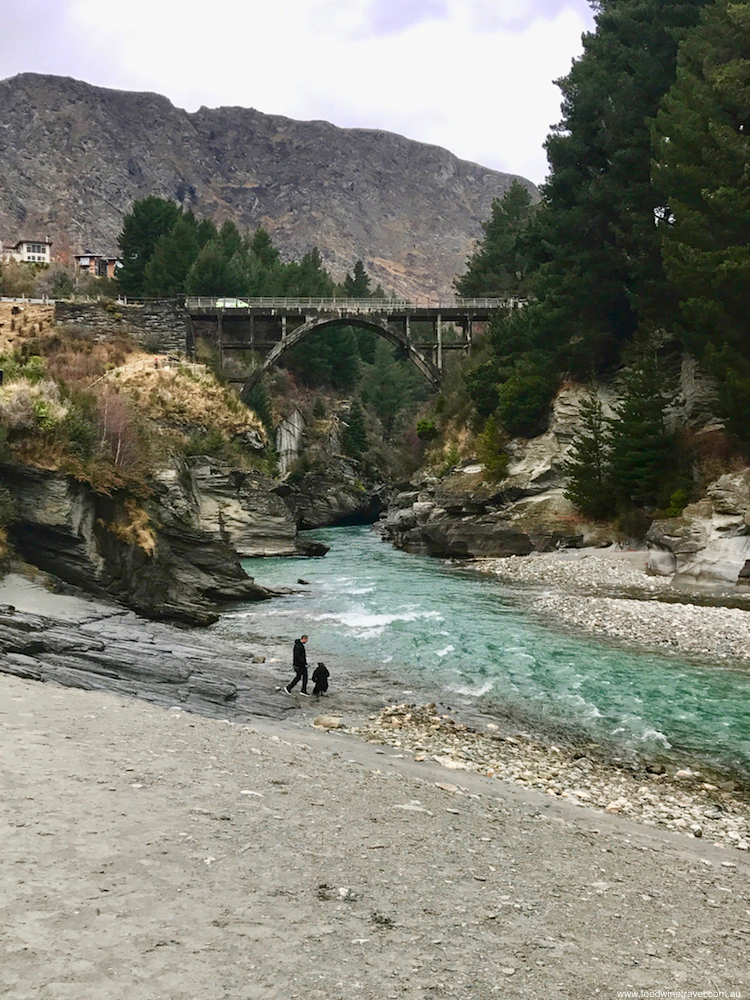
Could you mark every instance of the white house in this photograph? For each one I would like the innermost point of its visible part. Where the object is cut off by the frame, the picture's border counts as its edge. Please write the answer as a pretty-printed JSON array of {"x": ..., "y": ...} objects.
[{"x": 28, "y": 251}]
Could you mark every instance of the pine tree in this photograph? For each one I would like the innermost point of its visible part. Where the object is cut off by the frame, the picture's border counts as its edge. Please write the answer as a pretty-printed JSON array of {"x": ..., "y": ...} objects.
[
  {"x": 263, "y": 248},
  {"x": 148, "y": 220},
  {"x": 643, "y": 452},
  {"x": 173, "y": 256},
  {"x": 357, "y": 285},
  {"x": 260, "y": 404},
  {"x": 702, "y": 152},
  {"x": 500, "y": 263},
  {"x": 587, "y": 466},
  {"x": 210, "y": 274},
  {"x": 600, "y": 270},
  {"x": 490, "y": 451},
  {"x": 355, "y": 434}
]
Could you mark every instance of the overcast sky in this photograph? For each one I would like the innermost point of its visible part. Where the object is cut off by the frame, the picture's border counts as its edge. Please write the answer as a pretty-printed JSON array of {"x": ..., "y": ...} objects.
[{"x": 474, "y": 76}]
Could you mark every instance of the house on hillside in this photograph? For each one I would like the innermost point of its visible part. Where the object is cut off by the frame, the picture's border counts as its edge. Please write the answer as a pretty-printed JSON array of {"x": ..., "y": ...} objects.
[
  {"x": 28, "y": 251},
  {"x": 99, "y": 265}
]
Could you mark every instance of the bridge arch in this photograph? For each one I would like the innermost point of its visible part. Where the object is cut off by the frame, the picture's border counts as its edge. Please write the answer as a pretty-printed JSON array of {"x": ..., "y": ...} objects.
[{"x": 377, "y": 324}]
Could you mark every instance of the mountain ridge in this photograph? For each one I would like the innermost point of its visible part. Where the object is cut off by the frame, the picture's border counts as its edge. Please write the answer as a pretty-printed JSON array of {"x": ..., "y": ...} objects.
[{"x": 74, "y": 157}]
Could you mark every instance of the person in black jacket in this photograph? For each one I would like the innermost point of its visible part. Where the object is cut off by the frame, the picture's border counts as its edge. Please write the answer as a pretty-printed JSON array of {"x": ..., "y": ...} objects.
[
  {"x": 320, "y": 679},
  {"x": 299, "y": 662}
]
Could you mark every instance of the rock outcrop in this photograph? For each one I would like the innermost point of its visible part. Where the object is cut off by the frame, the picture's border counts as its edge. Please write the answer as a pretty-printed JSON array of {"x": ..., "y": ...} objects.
[
  {"x": 464, "y": 515},
  {"x": 332, "y": 495},
  {"x": 710, "y": 542},
  {"x": 243, "y": 509},
  {"x": 75, "y": 157},
  {"x": 105, "y": 648},
  {"x": 166, "y": 556}
]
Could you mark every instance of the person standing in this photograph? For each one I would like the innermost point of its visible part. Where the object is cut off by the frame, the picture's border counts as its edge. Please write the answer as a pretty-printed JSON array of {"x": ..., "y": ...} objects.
[{"x": 299, "y": 662}]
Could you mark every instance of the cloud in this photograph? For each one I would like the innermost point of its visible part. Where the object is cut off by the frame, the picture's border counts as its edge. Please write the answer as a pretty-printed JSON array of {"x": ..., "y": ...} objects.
[
  {"x": 474, "y": 76},
  {"x": 387, "y": 16}
]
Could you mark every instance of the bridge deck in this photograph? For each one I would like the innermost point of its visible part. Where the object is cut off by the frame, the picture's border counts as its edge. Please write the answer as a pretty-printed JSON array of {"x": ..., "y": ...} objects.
[{"x": 395, "y": 308}]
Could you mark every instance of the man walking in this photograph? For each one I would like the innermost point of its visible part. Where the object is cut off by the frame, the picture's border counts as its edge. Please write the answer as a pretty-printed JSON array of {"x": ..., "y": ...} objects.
[{"x": 299, "y": 662}]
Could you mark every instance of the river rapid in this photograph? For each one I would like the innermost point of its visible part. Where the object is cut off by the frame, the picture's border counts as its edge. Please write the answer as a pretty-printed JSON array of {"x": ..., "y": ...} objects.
[{"x": 423, "y": 629}]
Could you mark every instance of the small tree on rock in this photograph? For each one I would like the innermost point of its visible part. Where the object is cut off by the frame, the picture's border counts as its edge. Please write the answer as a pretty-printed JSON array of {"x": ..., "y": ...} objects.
[{"x": 588, "y": 464}]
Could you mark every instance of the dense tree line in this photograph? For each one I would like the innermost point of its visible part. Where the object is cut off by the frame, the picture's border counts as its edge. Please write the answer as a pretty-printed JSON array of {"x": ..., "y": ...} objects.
[
  {"x": 641, "y": 236},
  {"x": 168, "y": 252}
]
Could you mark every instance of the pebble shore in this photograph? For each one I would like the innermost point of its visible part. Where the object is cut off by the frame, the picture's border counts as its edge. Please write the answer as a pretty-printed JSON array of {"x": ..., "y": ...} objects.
[
  {"x": 682, "y": 801},
  {"x": 611, "y": 594}
]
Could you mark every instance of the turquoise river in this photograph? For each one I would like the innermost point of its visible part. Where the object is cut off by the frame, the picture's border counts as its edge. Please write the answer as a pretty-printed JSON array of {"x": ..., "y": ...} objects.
[{"x": 476, "y": 641}]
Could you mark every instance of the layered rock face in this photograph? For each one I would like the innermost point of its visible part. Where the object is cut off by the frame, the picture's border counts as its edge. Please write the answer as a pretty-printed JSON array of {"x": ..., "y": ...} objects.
[
  {"x": 74, "y": 158},
  {"x": 710, "y": 542},
  {"x": 170, "y": 556},
  {"x": 333, "y": 496},
  {"x": 465, "y": 516}
]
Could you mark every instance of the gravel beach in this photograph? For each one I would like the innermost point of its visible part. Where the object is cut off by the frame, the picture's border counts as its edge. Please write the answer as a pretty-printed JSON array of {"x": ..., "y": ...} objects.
[{"x": 609, "y": 595}]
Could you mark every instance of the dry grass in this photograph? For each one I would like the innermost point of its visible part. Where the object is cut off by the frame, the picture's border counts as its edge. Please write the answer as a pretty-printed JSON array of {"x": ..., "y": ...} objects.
[
  {"x": 134, "y": 528},
  {"x": 20, "y": 323},
  {"x": 180, "y": 399}
]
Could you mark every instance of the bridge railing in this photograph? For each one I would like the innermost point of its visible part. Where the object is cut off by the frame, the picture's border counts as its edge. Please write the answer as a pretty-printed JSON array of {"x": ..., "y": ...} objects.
[{"x": 385, "y": 305}]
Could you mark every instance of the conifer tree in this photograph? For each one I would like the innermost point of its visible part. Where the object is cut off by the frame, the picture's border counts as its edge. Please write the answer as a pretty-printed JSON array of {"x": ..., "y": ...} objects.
[
  {"x": 355, "y": 433},
  {"x": 587, "y": 466},
  {"x": 173, "y": 256},
  {"x": 643, "y": 452},
  {"x": 357, "y": 285},
  {"x": 148, "y": 220},
  {"x": 597, "y": 247},
  {"x": 702, "y": 152},
  {"x": 210, "y": 274},
  {"x": 500, "y": 263},
  {"x": 263, "y": 248}
]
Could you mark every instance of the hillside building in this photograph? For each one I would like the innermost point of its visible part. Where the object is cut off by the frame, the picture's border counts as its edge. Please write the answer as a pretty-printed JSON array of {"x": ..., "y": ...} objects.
[
  {"x": 28, "y": 251},
  {"x": 97, "y": 264}
]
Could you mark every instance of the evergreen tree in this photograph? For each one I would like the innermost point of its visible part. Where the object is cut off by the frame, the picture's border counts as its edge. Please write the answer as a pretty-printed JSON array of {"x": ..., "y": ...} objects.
[
  {"x": 490, "y": 451},
  {"x": 355, "y": 434},
  {"x": 594, "y": 235},
  {"x": 230, "y": 240},
  {"x": 263, "y": 248},
  {"x": 260, "y": 404},
  {"x": 643, "y": 453},
  {"x": 387, "y": 386},
  {"x": 587, "y": 466},
  {"x": 357, "y": 285},
  {"x": 173, "y": 256},
  {"x": 702, "y": 152},
  {"x": 210, "y": 274},
  {"x": 500, "y": 264},
  {"x": 148, "y": 220}
]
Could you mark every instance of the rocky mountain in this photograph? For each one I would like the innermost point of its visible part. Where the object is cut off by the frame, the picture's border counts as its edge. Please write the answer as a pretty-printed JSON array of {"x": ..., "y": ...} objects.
[{"x": 74, "y": 157}]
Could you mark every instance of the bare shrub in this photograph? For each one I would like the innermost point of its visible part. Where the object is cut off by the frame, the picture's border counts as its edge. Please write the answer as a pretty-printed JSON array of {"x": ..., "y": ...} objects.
[{"x": 119, "y": 431}]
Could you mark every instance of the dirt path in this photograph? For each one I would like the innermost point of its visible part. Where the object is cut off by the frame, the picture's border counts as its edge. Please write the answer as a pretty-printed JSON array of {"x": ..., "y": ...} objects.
[{"x": 149, "y": 853}]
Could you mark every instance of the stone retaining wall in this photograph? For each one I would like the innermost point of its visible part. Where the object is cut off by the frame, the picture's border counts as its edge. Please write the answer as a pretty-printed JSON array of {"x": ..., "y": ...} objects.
[{"x": 158, "y": 324}]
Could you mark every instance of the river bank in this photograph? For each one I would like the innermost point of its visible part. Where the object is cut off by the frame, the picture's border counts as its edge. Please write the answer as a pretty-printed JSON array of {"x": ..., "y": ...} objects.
[
  {"x": 156, "y": 853},
  {"x": 608, "y": 594}
]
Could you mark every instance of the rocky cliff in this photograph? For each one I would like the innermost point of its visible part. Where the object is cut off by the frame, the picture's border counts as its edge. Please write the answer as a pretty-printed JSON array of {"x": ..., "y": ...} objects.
[
  {"x": 465, "y": 515},
  {"x": 74, "y": 157},
  {"x": 173, "y": 555}
]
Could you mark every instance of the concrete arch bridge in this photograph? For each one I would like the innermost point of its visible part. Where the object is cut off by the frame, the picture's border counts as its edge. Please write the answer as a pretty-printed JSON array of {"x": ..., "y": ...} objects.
[{"x": 268, "y": 327}]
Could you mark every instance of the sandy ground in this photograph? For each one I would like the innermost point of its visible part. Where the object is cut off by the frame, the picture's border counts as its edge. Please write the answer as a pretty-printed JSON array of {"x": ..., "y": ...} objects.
[{"x": 149, "y": 853}]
